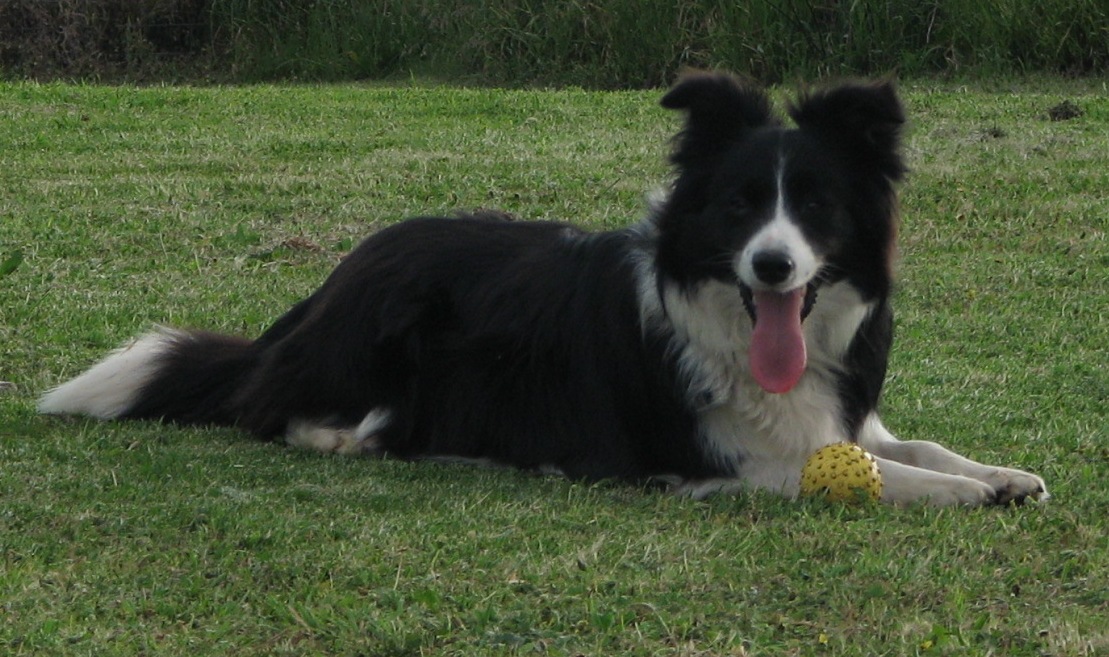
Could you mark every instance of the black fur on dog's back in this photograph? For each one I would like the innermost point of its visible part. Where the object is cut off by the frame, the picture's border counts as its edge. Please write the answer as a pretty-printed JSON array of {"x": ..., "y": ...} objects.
[{"x": 436, "y": 320}]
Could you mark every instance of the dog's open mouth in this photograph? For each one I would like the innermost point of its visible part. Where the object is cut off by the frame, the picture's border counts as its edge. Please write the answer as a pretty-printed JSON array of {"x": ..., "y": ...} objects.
[
  {"x": 777, "y": 352},
  {"x": 806, "y": 307}
]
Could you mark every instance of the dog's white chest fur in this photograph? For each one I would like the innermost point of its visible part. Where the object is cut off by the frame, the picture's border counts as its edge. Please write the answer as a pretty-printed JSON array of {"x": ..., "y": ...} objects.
[{"x": 763, "y": 436}]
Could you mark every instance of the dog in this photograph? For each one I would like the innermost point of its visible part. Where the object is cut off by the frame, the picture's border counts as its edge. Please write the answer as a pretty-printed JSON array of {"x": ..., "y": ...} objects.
[{"x": 714, "y": 346}]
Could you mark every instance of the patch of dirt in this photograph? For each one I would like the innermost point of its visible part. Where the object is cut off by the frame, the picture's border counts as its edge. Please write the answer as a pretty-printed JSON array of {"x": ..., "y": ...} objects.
[{"x": 1064, "y": 111}]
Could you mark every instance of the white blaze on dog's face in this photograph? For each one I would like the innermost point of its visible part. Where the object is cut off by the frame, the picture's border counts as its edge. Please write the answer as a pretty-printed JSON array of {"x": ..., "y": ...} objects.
[
  {"x": 776, "y": 265},
  {"x": 778, "y": 258}
]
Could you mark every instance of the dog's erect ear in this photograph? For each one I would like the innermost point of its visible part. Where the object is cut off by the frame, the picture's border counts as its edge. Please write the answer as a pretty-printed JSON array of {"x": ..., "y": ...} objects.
[
  {"x": 866, "y": 118},
  {"x": 719, "y": 109}
]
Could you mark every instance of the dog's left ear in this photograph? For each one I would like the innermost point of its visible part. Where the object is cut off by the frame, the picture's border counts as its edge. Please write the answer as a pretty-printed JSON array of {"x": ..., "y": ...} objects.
[
  {"x": 719, "y": 109},
  {"x": 866, "y": 118}
]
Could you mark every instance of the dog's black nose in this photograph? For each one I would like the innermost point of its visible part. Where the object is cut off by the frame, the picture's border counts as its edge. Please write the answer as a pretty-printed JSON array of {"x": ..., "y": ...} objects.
[{"x": 772, "y": 267}]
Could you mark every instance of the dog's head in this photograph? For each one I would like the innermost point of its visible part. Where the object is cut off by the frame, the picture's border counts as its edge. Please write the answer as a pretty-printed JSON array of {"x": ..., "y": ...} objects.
[{"x": 782, "y": 210}]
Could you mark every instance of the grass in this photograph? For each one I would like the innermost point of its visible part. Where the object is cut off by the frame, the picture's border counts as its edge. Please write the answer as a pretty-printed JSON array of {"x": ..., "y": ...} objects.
[{"x": 123, "y": 207}]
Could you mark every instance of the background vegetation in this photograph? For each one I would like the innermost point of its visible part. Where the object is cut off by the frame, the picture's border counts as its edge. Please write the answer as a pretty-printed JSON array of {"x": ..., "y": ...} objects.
[
  {"x": 592, "y": 43},
  {"x": 218, "y": 207}
]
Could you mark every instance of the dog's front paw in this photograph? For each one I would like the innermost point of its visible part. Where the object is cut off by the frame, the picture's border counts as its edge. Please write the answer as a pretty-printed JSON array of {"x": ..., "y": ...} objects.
[
  {"x": 1001, "y": 486},
  {"x": 961, "y": 491},
  {"x": 1015, "y": 486}
]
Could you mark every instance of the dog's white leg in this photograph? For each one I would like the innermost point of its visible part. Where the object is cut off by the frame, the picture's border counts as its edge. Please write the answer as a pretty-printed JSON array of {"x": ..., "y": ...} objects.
[
  {"x": 321, "y": 437},
  {"x": 775, "y": 476},
  {"x": 700, "y": 489},
  {"x": 906, "y": 484},
  {"x": 901, "y": 484},
  {"x": 1006, "y": 484}
]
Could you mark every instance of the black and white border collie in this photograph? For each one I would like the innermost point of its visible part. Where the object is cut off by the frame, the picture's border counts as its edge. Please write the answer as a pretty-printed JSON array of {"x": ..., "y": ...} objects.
[{"x": 741, "y": 326}]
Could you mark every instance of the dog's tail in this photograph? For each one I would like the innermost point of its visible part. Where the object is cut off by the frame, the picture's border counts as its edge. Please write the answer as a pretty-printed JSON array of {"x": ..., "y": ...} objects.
[{"x": 175, "y": 376}]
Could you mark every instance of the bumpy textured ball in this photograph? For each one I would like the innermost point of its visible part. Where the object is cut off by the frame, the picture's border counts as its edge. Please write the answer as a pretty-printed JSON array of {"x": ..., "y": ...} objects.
[{"x": 842, "y": 472}]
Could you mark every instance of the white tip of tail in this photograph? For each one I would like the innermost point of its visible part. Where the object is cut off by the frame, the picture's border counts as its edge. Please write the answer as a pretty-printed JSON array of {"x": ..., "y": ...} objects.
[{"x": 111, "y": 387}]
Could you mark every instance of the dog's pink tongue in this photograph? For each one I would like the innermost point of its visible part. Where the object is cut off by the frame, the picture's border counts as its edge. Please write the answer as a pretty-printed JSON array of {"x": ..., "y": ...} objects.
[{"x": 777, "y": 353}]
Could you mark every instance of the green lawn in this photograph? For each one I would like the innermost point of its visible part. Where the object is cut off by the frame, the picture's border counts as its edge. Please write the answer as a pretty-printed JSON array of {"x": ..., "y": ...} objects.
[{"x": 125, "y": 207}]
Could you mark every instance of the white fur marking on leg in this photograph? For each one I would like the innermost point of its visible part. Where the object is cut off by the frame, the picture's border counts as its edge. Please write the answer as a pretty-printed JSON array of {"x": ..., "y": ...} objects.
[
  {"x": 1007, "y": 483},
  {"x": 321, "y": 437},
  {"x": 375, "y": 421},
  {"x": 111, "y": 387},
  {"x": 906, "y": 484}
]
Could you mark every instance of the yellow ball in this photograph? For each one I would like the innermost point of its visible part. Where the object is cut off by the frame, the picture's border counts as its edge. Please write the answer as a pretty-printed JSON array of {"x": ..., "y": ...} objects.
[{"x": 843, "y": 472}]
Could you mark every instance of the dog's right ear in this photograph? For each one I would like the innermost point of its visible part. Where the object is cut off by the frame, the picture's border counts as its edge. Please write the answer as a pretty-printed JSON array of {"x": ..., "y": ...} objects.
[{"x": 719, "y": 108}]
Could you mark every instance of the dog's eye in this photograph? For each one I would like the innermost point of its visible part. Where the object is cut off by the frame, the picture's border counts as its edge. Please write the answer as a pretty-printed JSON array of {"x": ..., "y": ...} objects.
[
  {"x": 739, "y": 205},
  {"x": 813, "y": 208}
]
